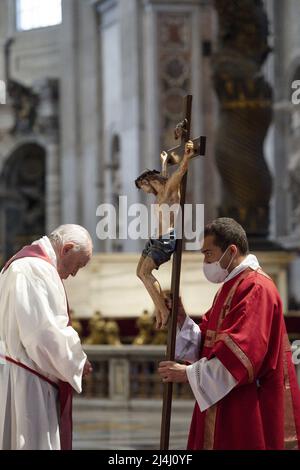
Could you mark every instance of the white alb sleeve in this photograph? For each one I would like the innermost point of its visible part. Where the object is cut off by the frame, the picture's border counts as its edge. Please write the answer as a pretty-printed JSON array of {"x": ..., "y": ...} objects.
[
  {"x": 188, "y": 340},
  {"x": 210, "y": 381}
]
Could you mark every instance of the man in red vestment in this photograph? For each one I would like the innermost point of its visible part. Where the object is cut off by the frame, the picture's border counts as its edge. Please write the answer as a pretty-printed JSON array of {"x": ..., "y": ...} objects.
[{"x": 241, "y": 370}]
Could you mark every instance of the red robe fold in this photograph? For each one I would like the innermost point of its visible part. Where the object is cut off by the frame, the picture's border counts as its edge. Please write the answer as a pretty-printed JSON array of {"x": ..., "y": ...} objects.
[{"x": 245, "y": 330}]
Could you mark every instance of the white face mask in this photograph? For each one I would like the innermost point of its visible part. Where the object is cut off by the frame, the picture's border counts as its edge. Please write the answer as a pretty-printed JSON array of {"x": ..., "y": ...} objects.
[{"x": 214, "y": 271}]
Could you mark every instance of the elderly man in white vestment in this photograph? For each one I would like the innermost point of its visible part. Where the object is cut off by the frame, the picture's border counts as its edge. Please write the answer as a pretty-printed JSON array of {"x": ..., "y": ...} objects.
[{"x": 39, "y": 348}]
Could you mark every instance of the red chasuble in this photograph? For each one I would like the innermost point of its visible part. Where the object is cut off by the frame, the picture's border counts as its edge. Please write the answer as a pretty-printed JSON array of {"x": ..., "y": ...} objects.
[
  {"x": 64, "y": 389},
  {"x": 245, "y": 330}
]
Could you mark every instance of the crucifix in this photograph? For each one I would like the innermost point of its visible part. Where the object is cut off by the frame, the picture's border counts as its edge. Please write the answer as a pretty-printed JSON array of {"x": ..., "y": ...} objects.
[
  {"x": 171, "y": 157},
  {"x": 169, "y": 192}
]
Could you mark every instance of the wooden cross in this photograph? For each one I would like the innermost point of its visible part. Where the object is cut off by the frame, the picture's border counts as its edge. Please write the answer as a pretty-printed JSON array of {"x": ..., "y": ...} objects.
[{"x": 171, "y": 157}]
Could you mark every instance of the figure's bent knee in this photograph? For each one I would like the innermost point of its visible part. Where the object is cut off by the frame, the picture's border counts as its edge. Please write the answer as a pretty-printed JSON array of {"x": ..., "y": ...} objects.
[
  {"x": 138, "y": 273},
  {"x": 145, "y": 276}
]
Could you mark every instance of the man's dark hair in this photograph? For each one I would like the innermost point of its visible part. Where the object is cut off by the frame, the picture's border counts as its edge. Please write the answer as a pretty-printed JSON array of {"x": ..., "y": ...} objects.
[
  {"x": 227, "y": 232},
  {"x": 149, "y": 175}
]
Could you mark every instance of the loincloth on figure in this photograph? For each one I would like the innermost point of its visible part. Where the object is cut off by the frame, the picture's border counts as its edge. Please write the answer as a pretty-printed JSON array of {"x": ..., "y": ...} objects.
[{"x": 160, "y": 249}]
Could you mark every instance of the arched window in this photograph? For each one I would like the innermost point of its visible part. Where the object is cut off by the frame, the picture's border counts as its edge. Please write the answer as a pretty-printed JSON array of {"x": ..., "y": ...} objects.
[{"x": 31, "y": 14}]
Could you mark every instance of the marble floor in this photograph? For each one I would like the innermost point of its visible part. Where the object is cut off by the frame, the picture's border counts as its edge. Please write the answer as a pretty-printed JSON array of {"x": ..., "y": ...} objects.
[{"x": 98, "y": 428}]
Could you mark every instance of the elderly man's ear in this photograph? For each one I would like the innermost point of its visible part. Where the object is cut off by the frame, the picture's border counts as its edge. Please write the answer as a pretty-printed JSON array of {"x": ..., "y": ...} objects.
[{"x": 67, "y": 247}]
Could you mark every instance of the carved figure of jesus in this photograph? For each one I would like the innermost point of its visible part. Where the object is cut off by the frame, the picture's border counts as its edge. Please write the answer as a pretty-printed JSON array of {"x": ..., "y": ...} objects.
[{"x": 160, "y": 247}]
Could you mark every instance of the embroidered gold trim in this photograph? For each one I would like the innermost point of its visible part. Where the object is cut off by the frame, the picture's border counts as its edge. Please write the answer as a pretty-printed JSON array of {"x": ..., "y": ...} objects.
[
  {"x": 210, "y": 338},
  {"x": 238, "y": 353},
  {"x": 260, "y": 271},
  {"x": 286, "y": 343},
  {"x": 211, "y": 413},
  {"x": 209, "y": 427},
  {"x": 227, "y": 303}
]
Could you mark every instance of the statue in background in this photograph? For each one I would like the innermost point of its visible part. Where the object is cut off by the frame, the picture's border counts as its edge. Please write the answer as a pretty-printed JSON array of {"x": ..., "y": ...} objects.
[
  {"x": 112, "y": 333},
  {"x": 160, "y": 337},
  {"x": 97, "y": 329},
  {"x": 145, "y": 326},
  {"x": 23, "y": 99}
]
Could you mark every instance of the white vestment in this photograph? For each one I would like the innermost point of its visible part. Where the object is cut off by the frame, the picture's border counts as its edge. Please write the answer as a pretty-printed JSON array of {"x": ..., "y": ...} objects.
[
  {"x": 34, "y": 331},
  {"x": 210, "y": 381}
]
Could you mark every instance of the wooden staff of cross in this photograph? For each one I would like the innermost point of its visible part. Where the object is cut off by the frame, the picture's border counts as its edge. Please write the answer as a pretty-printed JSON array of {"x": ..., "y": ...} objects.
[{"x": 171, "y": 157}]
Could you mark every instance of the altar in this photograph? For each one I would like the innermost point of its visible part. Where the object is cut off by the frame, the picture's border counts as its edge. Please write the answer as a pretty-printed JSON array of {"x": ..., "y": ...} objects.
[{"x": 109, "y": 284}]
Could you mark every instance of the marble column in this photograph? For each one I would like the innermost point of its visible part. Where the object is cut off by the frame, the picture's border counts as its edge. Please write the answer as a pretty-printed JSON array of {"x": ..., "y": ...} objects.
[
  {"x": 89, "y": 96},
  {"x": 69, "y": 111},
  {"x": 287, "y": 136},
  {"x": 47, "y": 133},
  {"x": 172, "y": 38},
  {"x": 80, "y": 115},
  {"x": 120, "y": 64}
]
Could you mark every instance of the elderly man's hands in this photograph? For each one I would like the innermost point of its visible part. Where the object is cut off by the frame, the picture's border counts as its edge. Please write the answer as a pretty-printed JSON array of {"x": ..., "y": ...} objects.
[{"x": 171, "y": 371}]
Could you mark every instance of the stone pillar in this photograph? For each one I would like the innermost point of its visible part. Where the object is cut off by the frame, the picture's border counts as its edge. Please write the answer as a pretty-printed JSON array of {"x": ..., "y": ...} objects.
[
  {"x": 281, "y": 118},
  {"x": 287, "y": 136},
  {"x": 47, "y": 132},
  {"x": 172, "y": 37},
  {"x": 90, "y": 153},
  {"x": 69, "y": 106},
  {"x": 120, "y": 65},
  {"x": 211, "y": 194},
  {"x": 111, "y": 99},
  {"x": 132, "y": 99},
  {"x": 80, "y": 116}
]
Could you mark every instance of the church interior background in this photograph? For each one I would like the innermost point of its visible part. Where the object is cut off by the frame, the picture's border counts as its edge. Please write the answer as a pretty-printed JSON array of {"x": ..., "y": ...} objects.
[{"x": 90, "y": 92}]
